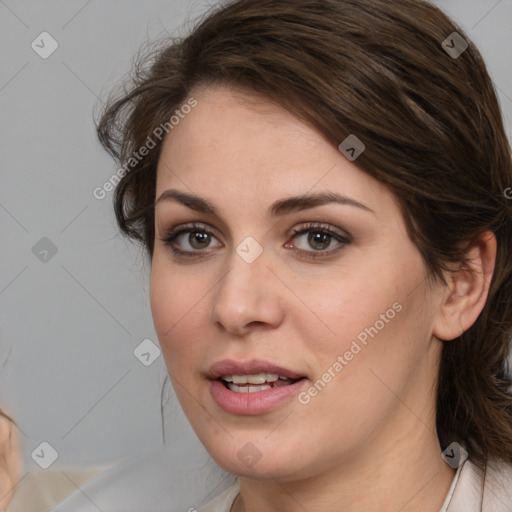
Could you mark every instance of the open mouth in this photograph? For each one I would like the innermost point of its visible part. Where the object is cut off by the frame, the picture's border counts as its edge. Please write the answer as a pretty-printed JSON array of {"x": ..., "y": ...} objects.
[
  {"x": 255, "y": 383},
  {"x": 254, "y": 387}
]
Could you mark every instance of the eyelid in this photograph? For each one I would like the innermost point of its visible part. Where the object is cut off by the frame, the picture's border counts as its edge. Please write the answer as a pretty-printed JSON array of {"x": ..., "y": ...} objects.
[
  {"x": 321, "y": 226},
  {"x": 171, "y": 234},
  {"x": 305, "y": 225},
  {"x": 189, "y": 226}
]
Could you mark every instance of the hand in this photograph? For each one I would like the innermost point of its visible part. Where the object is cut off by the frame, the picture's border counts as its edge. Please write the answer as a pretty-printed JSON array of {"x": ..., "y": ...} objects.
[{"x": 10, "y": 459}]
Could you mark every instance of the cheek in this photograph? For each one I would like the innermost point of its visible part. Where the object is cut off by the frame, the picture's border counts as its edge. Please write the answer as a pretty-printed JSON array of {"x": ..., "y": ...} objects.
[
  {"x": 176, "y": 309},
  {"x": 380, "y": 345},
  {"x": 370, "y": 320},
  {"x": 345, "y": 309}
]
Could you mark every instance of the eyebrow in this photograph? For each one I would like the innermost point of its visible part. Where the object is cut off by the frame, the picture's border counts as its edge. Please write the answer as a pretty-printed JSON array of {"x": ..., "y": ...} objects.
[{"x": 277, "y": 209}]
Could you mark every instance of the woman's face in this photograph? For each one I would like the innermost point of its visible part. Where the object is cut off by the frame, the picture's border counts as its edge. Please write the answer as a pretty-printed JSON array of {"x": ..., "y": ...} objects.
[{"x": 279, "y": 278}]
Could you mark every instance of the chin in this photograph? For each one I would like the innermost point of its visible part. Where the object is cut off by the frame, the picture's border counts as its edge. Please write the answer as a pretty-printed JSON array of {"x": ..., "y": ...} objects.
[{"x": 257, "y": 460}]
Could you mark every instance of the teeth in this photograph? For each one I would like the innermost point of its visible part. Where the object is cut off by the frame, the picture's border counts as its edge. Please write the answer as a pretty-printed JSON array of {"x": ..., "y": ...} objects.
[
  {"x": 259, "y": 378},
  {"x": 255, "y": 383},
  {"x": 246, "y": 389}
]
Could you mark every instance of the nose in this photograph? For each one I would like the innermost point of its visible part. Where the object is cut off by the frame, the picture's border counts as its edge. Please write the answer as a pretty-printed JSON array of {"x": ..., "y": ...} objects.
[{"x": 248, "y": 296}]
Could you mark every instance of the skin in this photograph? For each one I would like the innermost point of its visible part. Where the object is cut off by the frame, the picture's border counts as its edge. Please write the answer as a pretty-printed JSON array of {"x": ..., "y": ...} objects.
[
  {"x": 368, "y": 440},
  {"x": 10, "y": 461}
]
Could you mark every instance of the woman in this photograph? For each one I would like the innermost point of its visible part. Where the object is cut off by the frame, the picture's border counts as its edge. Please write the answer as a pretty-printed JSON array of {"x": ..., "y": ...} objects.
[{"x": 319, "y": 185}]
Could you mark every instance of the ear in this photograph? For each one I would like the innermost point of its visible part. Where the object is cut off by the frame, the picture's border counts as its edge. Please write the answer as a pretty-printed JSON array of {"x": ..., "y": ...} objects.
[
  {"x": 467, "y": 289},
  {"x": 10, "y": 461}
]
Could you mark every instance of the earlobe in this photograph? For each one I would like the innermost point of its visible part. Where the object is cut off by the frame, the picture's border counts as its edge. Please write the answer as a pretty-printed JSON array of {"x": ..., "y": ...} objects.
[{"x": 467, "y": 289}]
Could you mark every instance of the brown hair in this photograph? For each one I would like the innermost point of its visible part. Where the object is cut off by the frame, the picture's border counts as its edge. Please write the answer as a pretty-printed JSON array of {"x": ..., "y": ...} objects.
[{"x": 433, "y": 132}]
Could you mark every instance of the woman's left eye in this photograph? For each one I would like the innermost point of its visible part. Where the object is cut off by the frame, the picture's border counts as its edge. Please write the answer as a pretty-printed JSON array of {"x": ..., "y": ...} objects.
[
  {"x": 320, "y": 237},
  {"x": 198, "y": 237}
]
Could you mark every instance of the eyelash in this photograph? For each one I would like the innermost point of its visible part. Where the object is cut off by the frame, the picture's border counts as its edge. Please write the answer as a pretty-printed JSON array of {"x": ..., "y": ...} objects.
[{"x": 310, "y": 227}]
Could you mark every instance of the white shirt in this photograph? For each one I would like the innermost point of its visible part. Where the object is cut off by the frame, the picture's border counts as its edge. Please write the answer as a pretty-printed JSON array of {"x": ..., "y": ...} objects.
[{"x": 465, "y": 493}]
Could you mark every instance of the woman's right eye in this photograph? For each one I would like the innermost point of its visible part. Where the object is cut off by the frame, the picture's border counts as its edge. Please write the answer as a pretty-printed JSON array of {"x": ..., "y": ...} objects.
[{"x": 197, "y": 236}]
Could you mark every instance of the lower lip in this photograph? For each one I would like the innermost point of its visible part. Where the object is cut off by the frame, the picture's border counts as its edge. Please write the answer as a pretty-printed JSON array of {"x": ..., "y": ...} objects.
[{"x": 253, "y": 403}]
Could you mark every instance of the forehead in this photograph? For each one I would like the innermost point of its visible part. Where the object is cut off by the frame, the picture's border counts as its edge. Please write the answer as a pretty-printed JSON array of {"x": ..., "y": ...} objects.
[
  {"x": 231, "y": 125},
  {"x": 234, "y": 145}
]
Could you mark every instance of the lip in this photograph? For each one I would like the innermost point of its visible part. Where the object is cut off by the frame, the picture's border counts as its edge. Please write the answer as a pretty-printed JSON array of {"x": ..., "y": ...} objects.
[
  {"x": 259, "y": 402},
  {"x": 250, "y": 367}
]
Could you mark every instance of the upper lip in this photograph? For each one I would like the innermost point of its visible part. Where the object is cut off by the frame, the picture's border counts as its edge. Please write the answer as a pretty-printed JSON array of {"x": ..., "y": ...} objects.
[{"x": 249, "y": 367}]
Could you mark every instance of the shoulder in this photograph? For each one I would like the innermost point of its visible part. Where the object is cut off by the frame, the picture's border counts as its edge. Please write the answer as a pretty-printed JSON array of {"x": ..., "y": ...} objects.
[
  {"x": 497, "y": 494},
  {"x": 474, "y": 494},
  {"x": 224, "y": 501}
]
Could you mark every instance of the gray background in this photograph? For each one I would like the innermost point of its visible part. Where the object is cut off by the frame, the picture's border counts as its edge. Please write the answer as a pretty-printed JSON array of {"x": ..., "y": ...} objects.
[{"x": 69, "y": 325}]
